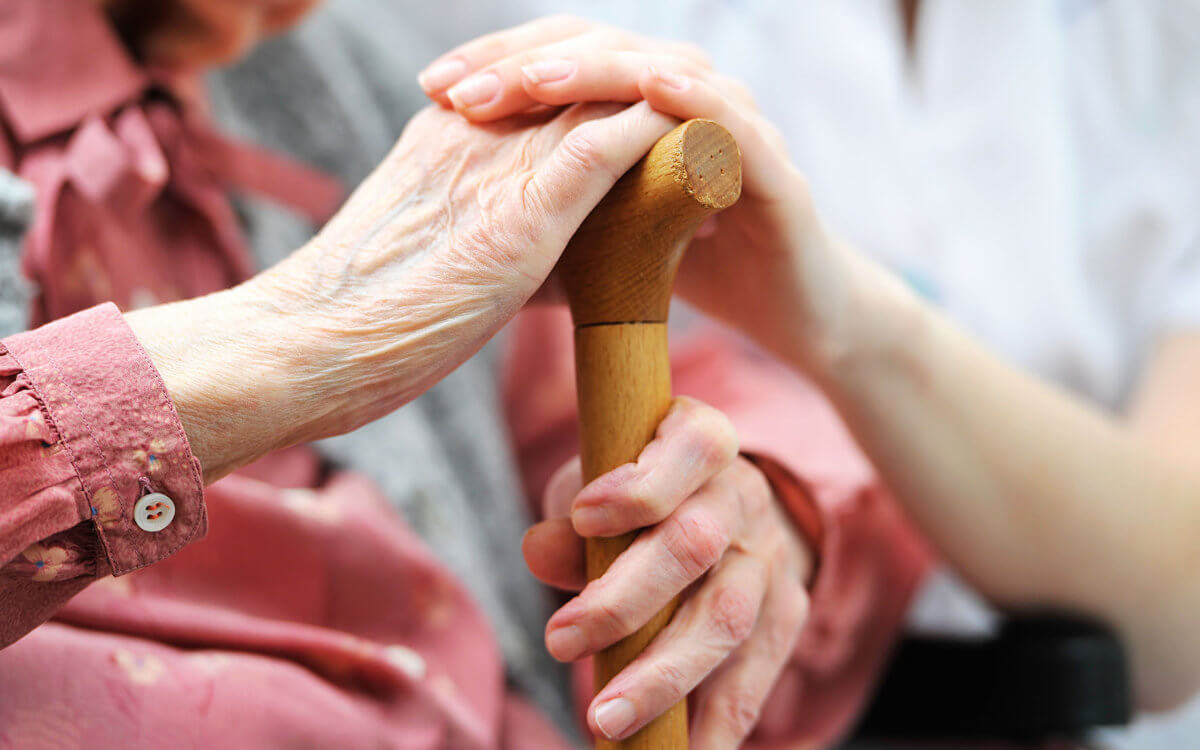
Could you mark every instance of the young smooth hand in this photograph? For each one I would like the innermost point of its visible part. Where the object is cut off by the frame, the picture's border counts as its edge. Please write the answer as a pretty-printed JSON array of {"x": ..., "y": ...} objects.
[
  {"x": 713, "y": 532},
  {"x": 766, "y": 265}
]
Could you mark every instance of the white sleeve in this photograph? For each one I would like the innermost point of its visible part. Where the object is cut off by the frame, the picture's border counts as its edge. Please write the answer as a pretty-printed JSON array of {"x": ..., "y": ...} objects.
[
  {"x": 1172, "y": 134},
  {"x": 1176, "y": 304}
]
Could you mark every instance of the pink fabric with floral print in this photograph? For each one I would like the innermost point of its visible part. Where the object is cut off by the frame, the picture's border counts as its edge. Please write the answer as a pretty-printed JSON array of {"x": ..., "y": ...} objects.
[{"x": 310, "y": 615}]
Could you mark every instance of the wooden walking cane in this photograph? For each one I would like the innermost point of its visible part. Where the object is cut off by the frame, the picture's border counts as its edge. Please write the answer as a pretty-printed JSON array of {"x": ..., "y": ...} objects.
[{"x": 618, "y": 271}]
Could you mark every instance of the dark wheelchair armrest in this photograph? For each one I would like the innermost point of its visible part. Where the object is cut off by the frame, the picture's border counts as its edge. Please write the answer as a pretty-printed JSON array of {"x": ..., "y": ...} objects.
[{"x": 1042, "y": 677}]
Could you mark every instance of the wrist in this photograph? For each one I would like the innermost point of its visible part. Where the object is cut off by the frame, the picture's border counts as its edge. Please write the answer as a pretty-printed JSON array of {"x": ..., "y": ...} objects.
[
  {"x": 355, "y": 350},
  {"x": 229, "y": 363},
  {"x": 869, "y": 320}
]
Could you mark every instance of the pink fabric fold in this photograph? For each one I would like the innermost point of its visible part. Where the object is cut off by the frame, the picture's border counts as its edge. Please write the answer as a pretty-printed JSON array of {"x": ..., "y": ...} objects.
[
  {"x": 59, "y": 64},
  {"x": 146, "y": 177},
  {"x": 120, "y": 167},
  {"x": 115, "y": 168}
]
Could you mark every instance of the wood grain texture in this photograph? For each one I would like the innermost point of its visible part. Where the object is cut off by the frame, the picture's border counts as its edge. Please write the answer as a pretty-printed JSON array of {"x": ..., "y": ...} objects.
[
  {"x": 620, "y": 265},
  {"x": 626, "y": 365},
  {"x": 618, "y": 271}
]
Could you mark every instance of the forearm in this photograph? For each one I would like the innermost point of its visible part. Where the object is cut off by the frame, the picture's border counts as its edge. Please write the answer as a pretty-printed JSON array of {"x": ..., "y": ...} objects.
[
  {"x": 299, "y": 353},
  {"x": 1035, "y": 497},
  {"x": 229, "y": 365}
]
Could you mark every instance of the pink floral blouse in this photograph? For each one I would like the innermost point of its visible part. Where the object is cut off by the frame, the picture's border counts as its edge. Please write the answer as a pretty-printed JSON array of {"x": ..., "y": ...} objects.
[{"x": 283, "y": 606}]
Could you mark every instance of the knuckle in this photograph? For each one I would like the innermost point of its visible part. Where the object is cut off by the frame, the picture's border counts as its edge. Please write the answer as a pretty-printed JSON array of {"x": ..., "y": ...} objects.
[
  {"x": 715, "y": 436},
  {"x": 739, "y": 710},
  {"x": 646, "y": 510},
  {"x": 672, "y": 681},
  {"x": 754, "y": 491},
  {"x": 614, "y": 617},
  {"x": 583, "y": 151},
  {"x": 489, "y": 245},
  {"x": 695, "y": 542},
  {"x": 535, "y": 200},
  {"x": 733, "y": 616},
  {"x": 782, "y": 635}
]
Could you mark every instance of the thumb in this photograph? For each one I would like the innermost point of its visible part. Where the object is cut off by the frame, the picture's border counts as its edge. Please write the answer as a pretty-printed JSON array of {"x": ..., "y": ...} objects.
[
  {"x": 555, "y": 554},
  {"x": 585, "y": 165},
  {"x": 565, "y": 483}
]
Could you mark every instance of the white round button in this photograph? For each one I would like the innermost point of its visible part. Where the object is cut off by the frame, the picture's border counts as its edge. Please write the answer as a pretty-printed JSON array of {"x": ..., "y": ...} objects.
[{"x": 154, "y": 512}]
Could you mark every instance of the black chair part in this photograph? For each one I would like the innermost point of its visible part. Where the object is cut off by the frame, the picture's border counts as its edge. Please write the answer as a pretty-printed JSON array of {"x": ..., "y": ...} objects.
[{"x": 1044, "y": 676}]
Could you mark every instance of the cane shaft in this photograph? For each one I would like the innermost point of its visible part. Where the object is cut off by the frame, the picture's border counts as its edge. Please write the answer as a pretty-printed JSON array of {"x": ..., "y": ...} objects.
[{"x": 624, "y": 387}]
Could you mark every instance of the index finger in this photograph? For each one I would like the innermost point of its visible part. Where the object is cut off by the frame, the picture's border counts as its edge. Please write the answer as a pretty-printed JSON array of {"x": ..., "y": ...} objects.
[
  {"x": 466, "y": 58},
  {"x": 694, "y": 443},
  {"x": 489, "y": 49}
]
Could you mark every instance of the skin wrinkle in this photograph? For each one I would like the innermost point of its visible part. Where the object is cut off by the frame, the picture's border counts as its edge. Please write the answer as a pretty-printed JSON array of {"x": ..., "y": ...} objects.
[
  {"x": 429, "y": 324},
  {"x": 347, "y": 273},
  {"x": 434, "y": 317},
  {"x": 349, "y": 270},
  {"x": 447, "y": 213},
  {"x": 448, "y": 221}
]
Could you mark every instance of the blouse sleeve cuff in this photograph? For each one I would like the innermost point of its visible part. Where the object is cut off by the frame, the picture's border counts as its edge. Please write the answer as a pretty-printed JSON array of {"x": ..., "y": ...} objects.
[
  {"x": 798, "y": 499},
  {"x": 109, "y": 407}
]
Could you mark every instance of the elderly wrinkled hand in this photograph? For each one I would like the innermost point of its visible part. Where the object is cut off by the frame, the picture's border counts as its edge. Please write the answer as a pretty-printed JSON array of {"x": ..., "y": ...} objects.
[
  {"x": 436, "y": 250},
  {"x": 450, "y": 236},
  {"x": 713, "y": 532}
]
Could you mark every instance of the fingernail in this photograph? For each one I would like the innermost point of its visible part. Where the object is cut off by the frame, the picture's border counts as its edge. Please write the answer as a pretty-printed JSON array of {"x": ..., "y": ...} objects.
[
  {"x": 615, "y": 717},
  {"x": 441, "y": 74},
  {"x": 565, "y": 643},
  {"x": 476, "y": 90},
  {"x": 546, "y": 71},
  {"x": 673, "y": 80}
]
